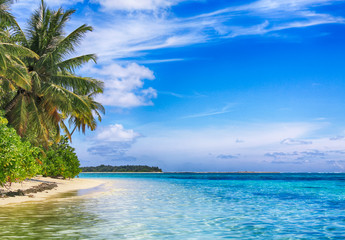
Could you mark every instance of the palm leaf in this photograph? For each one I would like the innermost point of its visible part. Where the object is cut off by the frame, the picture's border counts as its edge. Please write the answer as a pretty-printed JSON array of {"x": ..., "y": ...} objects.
[{"x": 73, "y": 63}]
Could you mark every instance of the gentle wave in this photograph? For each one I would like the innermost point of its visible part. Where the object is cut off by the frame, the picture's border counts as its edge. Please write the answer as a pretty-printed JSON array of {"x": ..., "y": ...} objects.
[{"x": 190, "y": 206}]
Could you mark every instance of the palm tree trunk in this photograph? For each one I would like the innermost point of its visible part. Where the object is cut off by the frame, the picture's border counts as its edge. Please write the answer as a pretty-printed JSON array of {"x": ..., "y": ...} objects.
[
  {"x": 13, "y": 102},
  {"x": 73, "y": 130}
]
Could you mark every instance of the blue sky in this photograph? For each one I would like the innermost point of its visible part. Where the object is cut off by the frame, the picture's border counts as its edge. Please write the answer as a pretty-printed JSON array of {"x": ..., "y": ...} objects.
[{"x": 213, "y": 85}]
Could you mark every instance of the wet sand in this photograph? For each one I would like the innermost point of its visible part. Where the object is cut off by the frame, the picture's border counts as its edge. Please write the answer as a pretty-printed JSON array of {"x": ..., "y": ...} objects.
[{"x": 63, "y": 186}]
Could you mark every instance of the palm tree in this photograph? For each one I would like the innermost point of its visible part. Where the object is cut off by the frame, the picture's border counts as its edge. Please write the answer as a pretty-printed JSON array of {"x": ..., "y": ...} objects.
[
  {"x": 13, "y": 72},
  {"x": 80, "y": 121},
  {"x": 55, "y": 91}
]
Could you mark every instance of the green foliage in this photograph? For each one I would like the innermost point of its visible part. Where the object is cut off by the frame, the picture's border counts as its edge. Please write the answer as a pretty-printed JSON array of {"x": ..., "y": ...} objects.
[
  {"x": 18, "y": 159},
  {"x": 39, "y": 90},
  {"x": 127, "y": 168},
  {"x": 61, "y": 161},
  {"x": 35, "y": 66}
]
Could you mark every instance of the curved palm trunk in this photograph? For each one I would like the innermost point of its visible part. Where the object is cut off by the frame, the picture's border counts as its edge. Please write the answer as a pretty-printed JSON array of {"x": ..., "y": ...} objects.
[
  {"x": 14, "y": 101},
  {"x": 73, "y": 130}
]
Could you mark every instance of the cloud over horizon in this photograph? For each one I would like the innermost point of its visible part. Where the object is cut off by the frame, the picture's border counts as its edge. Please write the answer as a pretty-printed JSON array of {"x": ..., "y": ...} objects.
[{"x": 113, "y": 143}]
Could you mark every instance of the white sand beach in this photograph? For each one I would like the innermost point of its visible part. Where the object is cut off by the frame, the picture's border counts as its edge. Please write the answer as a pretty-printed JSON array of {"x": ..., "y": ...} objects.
[{"x": 63, "y": 186}]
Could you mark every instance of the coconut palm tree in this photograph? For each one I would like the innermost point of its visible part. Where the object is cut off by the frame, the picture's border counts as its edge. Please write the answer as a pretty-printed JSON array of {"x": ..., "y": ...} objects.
[
  {"x": 81, "y": 121},
  {"x": 55, "y": 92},
  {"x": 13, "y": 72}
]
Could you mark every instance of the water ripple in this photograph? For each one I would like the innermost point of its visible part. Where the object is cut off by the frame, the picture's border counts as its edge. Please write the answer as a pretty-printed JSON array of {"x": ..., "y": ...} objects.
[{"x": 190, "y": 206}]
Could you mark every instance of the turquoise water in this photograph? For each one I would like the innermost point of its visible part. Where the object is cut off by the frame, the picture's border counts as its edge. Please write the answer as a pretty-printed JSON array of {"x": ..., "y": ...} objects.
[{"x": 189, "y": 206}]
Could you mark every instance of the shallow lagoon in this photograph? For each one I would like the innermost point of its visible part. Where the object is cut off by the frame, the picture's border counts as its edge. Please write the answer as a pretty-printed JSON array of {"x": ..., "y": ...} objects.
[{"x": 189, "y": 206}]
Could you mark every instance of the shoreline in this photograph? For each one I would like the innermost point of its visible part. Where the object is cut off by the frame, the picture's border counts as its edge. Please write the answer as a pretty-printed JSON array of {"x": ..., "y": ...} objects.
[{"x": 63, "y": 186}]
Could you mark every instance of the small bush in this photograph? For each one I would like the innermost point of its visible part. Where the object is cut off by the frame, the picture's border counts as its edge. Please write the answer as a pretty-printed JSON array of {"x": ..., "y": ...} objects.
[
  {"x": 61, "y": 161},
  {"x": 18, "y": 159}
]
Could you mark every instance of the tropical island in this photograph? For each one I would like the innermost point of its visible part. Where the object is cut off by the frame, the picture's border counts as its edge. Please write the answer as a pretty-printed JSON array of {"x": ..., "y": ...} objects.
[{"x": 126, "y": 168}]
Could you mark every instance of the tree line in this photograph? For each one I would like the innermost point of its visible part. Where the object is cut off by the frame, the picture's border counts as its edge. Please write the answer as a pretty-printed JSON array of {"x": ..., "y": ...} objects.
[{"x": 42, "y": 99}]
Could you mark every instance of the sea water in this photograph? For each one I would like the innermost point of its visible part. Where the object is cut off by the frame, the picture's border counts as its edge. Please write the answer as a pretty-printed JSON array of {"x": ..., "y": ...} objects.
[{"x": 188, "y": 206}]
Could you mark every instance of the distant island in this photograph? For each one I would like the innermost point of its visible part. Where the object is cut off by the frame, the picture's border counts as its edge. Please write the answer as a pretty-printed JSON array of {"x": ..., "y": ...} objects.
[{"x": 126, "y": 168}]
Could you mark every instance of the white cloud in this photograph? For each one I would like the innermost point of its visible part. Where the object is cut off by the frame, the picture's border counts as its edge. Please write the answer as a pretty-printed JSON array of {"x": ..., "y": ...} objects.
[
  {"x": 117, "y": 133},
  {"x": 260, "y": 150},
  {"x": 131, "y": 5},
  {"x": 286, "y": 5},
  {"x": 215, "y": 148},
  {"x": 256, "y": 139},
  {"x": 124, "y": 85},
  {"x": 290, "y": 141},
  {"x": 136, "y": 33},
  {"x": 122, "y": 34},
  {"x": 110, "y": 144}
]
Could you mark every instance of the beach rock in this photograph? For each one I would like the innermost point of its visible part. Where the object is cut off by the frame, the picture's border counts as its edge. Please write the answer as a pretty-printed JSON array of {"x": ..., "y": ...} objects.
[
  {"x": 20, "y": 193},
  {"x": 39, "y": 188}
]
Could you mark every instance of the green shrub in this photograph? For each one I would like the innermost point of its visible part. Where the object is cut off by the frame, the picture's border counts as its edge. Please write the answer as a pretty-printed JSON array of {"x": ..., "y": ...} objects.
[
  {"x": 18, "y": 159},
  {"x": 61, "y": 161}
]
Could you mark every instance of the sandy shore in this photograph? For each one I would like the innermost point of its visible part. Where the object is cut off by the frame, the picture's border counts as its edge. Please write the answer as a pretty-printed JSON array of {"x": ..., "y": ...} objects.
[{"x": 62, "y": 187}]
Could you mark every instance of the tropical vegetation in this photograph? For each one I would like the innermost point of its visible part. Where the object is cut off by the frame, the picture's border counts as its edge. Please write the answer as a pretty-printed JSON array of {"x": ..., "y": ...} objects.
[
  {"x": 18, "y": 159},
  {"x": 60, "y": 161},
  {"x": 40, "y": 91}
]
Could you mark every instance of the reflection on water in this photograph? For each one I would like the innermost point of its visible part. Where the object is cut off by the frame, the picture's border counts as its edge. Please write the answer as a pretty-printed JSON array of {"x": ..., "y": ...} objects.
[
  {"x": 201, "y": 207},
  {"x": 48, "y": 220},
  {"x": 97, "y": 189}
]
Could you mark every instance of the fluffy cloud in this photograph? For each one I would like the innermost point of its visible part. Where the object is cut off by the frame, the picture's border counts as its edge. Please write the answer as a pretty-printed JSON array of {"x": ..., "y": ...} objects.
[
  {"x": 117, "y": 133},
  {"x": 113, "y": 143},
  {"x": 124, "y": 84},
  {"x": 115, "y": 151}
]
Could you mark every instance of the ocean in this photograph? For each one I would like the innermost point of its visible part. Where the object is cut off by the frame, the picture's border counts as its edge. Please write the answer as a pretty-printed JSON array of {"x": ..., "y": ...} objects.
[{"x": 189, "y": 206}]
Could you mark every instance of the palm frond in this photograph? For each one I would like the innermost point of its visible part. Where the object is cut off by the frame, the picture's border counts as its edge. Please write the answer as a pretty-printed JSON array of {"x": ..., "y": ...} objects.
[
  {"x": 39, "y": 76},
  {"x": 61, "y": 95},
  {"x": 72, "y": 64},
  {"x": 80, "y": 85},
  {"x": 68, "y": 44}
]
